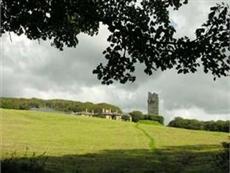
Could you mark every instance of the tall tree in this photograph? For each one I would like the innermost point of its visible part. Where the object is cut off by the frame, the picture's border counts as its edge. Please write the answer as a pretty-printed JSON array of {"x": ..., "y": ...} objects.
[{"x": 141, "y": 32}]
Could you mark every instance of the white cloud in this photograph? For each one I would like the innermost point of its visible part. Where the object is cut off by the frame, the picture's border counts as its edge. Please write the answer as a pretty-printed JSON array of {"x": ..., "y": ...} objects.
[
  {"x": 194, "y": 113},
  {"x": 191, "y": 16}
]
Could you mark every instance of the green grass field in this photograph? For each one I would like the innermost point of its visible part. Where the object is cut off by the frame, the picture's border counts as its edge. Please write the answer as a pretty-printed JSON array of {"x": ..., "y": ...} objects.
[{"x": 82, "y": 144}]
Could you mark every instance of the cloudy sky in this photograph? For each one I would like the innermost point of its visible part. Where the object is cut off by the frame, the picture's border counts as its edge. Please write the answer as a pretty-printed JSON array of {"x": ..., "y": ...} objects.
[{"x": 30, "y": 69}]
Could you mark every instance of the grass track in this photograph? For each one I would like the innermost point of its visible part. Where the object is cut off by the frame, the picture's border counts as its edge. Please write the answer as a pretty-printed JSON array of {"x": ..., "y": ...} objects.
[{"x": 151, "y": 140}]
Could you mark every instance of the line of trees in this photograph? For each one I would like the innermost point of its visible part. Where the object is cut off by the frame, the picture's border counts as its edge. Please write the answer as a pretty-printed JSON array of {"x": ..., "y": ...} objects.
[
  {"x": 55, "y": 104},
  {"x": 222, "y": 126},
  {"x": 138, "y": 115}
]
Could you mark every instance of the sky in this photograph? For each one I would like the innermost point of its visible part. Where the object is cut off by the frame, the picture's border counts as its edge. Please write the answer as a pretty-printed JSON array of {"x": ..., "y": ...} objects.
[{"x": 30, "y": 69}]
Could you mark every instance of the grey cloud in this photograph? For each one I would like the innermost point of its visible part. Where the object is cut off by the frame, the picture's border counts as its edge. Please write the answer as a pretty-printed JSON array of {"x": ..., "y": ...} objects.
[
  {"x": 191, "y": 96},
  {"x": 38, "y": 70}
]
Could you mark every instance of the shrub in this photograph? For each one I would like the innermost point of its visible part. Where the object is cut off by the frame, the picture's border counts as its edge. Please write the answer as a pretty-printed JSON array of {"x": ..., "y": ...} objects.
[
  {"x": 136, "y": 116},
  {"x": 156, "y": 118},
  {"x": 125, "y": 117}
]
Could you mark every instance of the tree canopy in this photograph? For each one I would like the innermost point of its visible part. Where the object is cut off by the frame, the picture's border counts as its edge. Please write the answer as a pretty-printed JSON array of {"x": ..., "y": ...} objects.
[
  {"x": 56, "y": 105},
  {"x": 222, "y": 126},
  {"x": 141, "y": 32}
]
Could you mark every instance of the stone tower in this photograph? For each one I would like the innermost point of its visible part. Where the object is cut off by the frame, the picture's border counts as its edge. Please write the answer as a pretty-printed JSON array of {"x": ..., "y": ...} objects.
[{"x": 153, "y": 103}]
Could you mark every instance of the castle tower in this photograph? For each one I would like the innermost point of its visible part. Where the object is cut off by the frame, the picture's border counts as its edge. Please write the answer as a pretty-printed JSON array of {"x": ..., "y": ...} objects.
[{"x": 153, "y": 103}]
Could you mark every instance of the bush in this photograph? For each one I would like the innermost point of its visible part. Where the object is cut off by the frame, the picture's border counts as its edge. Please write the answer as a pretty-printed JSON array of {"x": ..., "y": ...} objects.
[
  {"x": 125, "y": 117},
  {"x": 136, "y": 116},
  {"x": 156, "y": 118}
]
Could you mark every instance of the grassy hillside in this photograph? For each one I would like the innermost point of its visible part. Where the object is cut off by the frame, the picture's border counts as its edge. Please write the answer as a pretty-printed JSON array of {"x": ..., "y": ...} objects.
[{"x": 81, "y": 144}]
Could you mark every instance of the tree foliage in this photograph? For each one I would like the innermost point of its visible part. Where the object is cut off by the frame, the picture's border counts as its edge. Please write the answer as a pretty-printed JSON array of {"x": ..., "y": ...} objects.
[
  {"x": 136, "y": 116},
  {"x": 156, "y": 118},
  {"x": 55, "y": 105},
  {"x": 140, "y": 33},
  {"x": 222, "y": 126}
]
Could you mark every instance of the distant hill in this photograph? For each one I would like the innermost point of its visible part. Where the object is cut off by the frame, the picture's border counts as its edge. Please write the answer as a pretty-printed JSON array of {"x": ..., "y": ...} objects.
[{"x": 55, "y": 105}]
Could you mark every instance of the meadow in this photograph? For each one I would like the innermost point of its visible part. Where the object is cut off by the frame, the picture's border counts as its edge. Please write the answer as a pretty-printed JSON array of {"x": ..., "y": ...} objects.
[{"x": 72, "y": 144}]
